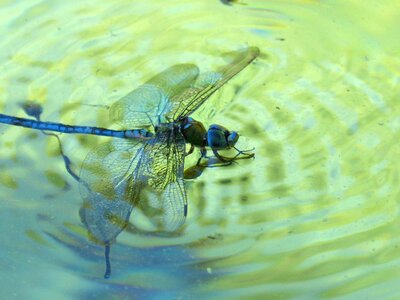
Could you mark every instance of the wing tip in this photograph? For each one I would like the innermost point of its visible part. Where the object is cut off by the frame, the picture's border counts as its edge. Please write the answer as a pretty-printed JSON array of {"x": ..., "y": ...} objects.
[{"x": 255, "y": 51}]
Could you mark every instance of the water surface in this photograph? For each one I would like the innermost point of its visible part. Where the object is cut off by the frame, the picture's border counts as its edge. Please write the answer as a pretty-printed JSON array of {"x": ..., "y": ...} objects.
[{"x": 315, "y": 215}]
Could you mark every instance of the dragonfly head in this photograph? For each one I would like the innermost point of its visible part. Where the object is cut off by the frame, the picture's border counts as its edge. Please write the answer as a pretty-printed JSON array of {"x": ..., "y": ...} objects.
[
  {"x": 218, "y": 137},
  {"x": 232, "y": 138}
]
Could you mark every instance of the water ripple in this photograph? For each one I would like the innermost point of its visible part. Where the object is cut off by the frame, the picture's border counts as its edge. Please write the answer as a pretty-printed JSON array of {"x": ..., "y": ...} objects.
[{"x": 314, "y": 215}]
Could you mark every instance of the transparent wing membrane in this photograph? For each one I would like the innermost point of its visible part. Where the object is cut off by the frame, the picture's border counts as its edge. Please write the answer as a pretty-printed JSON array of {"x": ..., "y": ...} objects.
[
  {"x": 122, "y": 175},
  {"x": 176, "y": 92},
  {"x": 148, "y": 174},
  {"x": 108, "y": 188},
  {"x": 164, "y": 198},
  {"x": 208, "y": 83},
  {"x": 147, "y": 104}
]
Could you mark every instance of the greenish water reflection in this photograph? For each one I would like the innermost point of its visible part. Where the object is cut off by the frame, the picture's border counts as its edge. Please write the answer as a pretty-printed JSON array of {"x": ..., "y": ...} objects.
[{"x": 315, "y": 215}]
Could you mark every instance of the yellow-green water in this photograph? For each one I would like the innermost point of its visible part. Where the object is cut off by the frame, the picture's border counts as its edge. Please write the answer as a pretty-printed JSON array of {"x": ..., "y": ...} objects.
[{"x": 315, "y": 215}]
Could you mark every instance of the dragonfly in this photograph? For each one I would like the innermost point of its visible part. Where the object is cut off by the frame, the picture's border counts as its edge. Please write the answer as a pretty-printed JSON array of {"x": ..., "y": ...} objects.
[{"x": 142, "y": 170}]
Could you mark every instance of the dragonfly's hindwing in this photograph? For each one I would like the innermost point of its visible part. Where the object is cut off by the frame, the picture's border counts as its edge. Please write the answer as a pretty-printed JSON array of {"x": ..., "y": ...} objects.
[
  {"x": 146, "y": 175},
  {"x": 163, "y": 197},
  {"x": 107, "y": 188}
]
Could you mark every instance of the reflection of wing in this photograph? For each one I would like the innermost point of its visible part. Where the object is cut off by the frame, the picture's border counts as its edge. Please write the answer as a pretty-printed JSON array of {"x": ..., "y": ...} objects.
[
  {"x": 122, "y": 175},
  {"x": 206, "y": 85},
  {"x": 142, "y": 106}
]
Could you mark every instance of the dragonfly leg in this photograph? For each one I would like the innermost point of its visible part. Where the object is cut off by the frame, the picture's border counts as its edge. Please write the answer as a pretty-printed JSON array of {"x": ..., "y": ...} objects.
[
  {"x": 229, "y": 160},
  {"x": 190, "y": 150},
  {"x": 218, "y": 163},
  {"x": 244, "y": 153},
  {"x": 203, "y": 152},
  {"x": 196, "y": 170},
  {"x": 223, "y": 158}
]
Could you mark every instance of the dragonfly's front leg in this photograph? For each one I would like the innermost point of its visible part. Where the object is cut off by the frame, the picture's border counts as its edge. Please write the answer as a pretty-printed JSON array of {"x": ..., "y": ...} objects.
[
  {"x": 190, "y": 150},
  {"x": 242, "y": 154},
  {"x": 214, "y": 162}
]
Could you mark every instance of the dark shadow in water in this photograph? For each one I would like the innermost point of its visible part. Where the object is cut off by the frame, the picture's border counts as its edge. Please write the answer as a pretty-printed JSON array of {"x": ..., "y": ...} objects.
[
  {"x": 229, "y": 2},
  {"x": 165, "y": 272}
]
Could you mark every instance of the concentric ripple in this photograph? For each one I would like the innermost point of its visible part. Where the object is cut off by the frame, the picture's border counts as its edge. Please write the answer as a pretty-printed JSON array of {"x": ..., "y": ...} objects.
[{"x": 314, "y": 215}]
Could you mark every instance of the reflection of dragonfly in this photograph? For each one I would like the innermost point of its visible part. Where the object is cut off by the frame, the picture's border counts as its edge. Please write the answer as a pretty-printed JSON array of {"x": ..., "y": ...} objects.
[{"x": 145, "y": 171}]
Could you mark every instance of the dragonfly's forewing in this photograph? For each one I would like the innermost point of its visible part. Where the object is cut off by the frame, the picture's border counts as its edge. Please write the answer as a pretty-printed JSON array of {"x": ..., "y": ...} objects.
[
  {"x": 143, "y": 106},
  {"x": 122, "y": 175},
  {"x": 193, "y": 97}
]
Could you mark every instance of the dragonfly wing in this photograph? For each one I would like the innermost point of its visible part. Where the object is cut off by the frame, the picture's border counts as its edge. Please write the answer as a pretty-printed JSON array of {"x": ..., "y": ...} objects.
[
  {"x": 109, "y": 188},
  {"x": 163, "y": 197},
  {"x": 192, "y": 98},
  {"x": 143, "y": 106},
  {"x": 124, "y": 174}
]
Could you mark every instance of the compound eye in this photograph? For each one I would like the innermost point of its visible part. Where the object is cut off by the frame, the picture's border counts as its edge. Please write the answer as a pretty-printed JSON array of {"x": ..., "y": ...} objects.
[
  {"x": 216, "y": 137},
  {"x": 232, "y": 138},
  {"x": 216, "y": 127}
]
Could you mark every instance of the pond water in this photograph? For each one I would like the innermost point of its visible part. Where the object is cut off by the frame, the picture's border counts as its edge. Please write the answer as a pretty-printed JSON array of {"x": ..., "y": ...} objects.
[{"x": 314, "y": 215}]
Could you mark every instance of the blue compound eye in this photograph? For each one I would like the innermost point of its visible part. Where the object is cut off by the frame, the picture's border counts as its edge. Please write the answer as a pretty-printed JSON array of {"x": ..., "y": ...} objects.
[
  {"x": 232, "y": 138},
  {"x": 216, "y": 137}
]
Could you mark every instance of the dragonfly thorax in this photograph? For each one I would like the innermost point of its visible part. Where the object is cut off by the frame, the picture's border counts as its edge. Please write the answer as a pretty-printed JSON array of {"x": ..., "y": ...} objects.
[
  {"x": 216, "y": 137},
  {"x": 164, "y": 127},
  {"x": 194, "y": 132}
]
